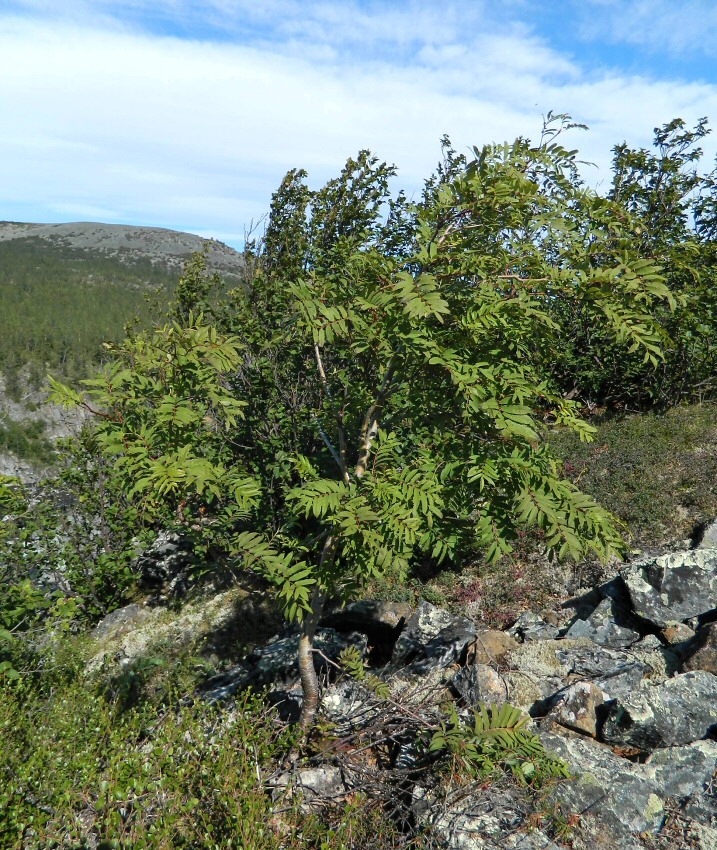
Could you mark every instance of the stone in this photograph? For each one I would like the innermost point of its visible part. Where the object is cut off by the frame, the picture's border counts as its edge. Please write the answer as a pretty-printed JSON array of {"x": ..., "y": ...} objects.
[
  {"x": 602, "y": 627},
  {"x": 432, "y": 638},
  {"x": 708, "y": 539},
  {"x": 276, "y": 664},
  {"x": 678, "y": 711},
  {"x": 314, "y": 784},
  {"x": 531, "y": 626},
  {"x": 491, "y": 647},
  {"x": 480, "y": 683},
  {"x": 424, "y": 624},
  {"x": 673, "y": 587},
  {"x": 703, "y": 652},
  {"x": 277, "y": 661},
  {"x": 578, "y": 708},
  {"x": 490, "y": 818},
  {"x": 677, "y": 633},
  {"x": 120, "y": 622},
  {"x": 166, "y": 567},
  {"x": 620, "y": 800}
]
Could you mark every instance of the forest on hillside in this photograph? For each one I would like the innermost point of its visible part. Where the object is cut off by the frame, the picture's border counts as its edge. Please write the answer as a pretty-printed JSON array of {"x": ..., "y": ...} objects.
[{"x": 400, "y": 395}]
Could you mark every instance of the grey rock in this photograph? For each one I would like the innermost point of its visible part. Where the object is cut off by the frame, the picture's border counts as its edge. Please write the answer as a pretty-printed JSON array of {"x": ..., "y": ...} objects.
[
  {"x": 350, "y": 707},
  {"x": 276, "y": 664},
  {"x": 531, "y": 626},
  {"x": 708, "y": 539},
  {"x": 614, "y": 671},
  {"x": 602, "y": 627},
  {"x": 277, "y": 661},
  {"x": 578, "y": 708},
  {"x": 480, "y": 683},
  {"x": 491, "y": 818},
  {"x": 433, "y": 638},
  {"x": 677, "y": 634},
  {"x": 166, "y": 567},
  {"x": 320, "y": 784},
  {"x": 678, "y": 711},
  {"x": 619, "y": 799},
  {"x": 673, "y": 587},
  {"x": 120, "y": 622}
]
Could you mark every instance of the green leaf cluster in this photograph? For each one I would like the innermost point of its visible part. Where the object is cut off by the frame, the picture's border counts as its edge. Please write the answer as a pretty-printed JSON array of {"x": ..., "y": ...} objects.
[{"x": 496, "y": 740}]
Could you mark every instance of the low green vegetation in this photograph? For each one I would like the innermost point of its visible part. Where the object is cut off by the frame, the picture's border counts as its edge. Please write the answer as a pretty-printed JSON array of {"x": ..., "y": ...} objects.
[
  {"x": 129, "y": 762},
  {"x": 26, "y": 440},
  {"x": 60, "y": 305},
  {"x": 442, "y": 399}
]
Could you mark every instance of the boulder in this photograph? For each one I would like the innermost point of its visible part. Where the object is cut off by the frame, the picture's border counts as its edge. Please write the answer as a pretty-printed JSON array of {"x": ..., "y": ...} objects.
[
  {"x": 578, "y": 708},
  {"x": 620, "y": 800},
  {"x": 432, "y": 639},
  {"x": 673, "y": 587},
  {"x": 602, "y": 627},
  {"x": 166, "y": 567},
  {"x": 531, "y": 626},
  {"x": 120, "y": 622},
  {"x": 678, "y": 711}
]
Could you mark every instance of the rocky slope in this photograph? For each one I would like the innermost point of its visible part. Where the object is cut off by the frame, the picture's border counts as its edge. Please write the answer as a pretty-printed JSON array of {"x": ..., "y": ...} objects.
[{"x": 620, "y": 683}]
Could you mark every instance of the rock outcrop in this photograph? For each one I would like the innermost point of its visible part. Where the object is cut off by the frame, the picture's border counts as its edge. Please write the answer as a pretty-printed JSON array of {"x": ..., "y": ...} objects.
[{"x": 625, "y": 692}]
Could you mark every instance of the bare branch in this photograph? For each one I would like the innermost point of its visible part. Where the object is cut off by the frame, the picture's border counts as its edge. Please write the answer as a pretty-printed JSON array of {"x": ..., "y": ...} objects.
[{"x": 369, "y": 429}]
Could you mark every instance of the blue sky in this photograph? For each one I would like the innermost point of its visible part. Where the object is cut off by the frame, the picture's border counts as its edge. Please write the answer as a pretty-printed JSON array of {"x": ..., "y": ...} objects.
[{"x": 185, "y": 114}]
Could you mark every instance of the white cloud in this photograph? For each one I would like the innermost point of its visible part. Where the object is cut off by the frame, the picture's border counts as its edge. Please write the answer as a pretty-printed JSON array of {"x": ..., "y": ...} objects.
[
  {"x": 196, "y": 134},
  {"x": 661, "y": 26}
]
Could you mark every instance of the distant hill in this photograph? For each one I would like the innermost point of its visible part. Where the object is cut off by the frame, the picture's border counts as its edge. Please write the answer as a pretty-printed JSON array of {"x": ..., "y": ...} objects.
[
  {"x": 67, "y": 288},
  {"x": 129, "y": 245}
]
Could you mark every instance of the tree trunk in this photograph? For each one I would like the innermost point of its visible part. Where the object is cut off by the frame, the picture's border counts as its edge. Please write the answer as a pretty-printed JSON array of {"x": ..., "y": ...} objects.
[{"x": 307, "y": 671}]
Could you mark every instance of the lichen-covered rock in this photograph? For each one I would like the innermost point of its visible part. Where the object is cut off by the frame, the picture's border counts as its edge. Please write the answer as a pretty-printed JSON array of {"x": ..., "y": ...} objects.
[
  {"x": 673, "y": 587},
  {"x": 166, "y": 567},
  {"x": 602, "y": 627},
  {"x": 489, "y": 818},
  {"x": 120, "y": 622},
  {"x": 577, "y": 708},
  {"x": 678, "y": 711},
  {"x": 531, "y": 626},
  {"x": 432, "y": 639},
  {"x": 619, "y": 799},
  {"x": 491, "y": 647},
  {"x": 480, "y": 683}
]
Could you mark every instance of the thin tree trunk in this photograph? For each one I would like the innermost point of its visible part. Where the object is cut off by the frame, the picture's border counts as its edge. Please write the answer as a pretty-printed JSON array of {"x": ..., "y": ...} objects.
[{"x": 307, "y": 671}]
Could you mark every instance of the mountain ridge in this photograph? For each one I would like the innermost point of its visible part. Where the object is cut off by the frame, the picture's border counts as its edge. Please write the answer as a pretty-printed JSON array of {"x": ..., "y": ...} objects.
[{"x": 126, "y": 242}]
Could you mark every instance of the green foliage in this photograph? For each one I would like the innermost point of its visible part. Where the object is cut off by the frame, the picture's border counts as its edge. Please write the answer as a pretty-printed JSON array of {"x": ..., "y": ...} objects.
[
  {"x": 672, "y": 210},
  {"x": 496, "y": 740},
  {"x": 377, "y": 391},
  {"x": 164, "y": 412},
  {"x": 656, "y": 471},
  {"x": 80, "y": 765},
  {"x": 60, "y": 305},
  {"x": 352, "y": 663},
  {"x": 26, "y": 440}
]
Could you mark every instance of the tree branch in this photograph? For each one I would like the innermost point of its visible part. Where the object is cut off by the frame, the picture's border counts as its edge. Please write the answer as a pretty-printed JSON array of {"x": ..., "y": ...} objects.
[
  {"x": 369, "y": 429},
  {"x": 340, "y": 458}
]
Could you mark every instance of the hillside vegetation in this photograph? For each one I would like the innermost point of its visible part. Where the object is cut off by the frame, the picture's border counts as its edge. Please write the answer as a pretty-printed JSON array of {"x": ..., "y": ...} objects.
[{"x": 452, "y": 400}]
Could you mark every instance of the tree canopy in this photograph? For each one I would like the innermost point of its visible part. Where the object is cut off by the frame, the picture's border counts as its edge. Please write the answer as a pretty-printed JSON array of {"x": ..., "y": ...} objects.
[{"x": 379, "y": 388}]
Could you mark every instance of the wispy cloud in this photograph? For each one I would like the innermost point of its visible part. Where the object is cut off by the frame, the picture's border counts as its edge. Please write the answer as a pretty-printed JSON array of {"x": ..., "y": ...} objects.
[
  {"x": 658, "y": 26},
  {"x": 187, "y": 115}
]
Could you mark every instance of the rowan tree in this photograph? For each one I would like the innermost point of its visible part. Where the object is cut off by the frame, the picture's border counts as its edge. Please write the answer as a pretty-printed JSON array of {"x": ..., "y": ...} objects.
[{"x": 379, "y": 388}]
